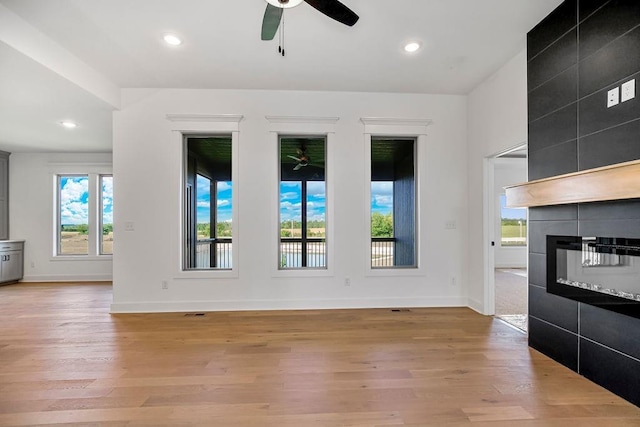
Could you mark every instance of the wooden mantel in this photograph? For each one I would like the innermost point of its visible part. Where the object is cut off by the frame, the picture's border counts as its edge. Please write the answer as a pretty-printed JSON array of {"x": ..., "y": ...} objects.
[{"x": 615, "y": 182}]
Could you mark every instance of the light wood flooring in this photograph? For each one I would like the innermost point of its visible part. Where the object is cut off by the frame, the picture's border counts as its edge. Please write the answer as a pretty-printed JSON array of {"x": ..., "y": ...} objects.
[{"x": 65, "y": 360}]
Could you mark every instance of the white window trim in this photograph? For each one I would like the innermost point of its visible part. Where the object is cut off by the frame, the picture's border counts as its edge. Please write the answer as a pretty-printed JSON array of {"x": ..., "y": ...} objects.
[
  {"x": 395, "y": 127},
  {"x": 93, "y": 171},
  {"x": 182, "y": 125},
  {"x": 302, "y": 126}
]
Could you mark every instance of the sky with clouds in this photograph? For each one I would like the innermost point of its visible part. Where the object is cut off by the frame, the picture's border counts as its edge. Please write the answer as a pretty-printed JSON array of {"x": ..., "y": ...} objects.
[
  {"x": 203, "y": 194},
  {"x": 382, "y": 197},
  {"x": 74, "y": 200},
  {"x": 291, "y": 200}
]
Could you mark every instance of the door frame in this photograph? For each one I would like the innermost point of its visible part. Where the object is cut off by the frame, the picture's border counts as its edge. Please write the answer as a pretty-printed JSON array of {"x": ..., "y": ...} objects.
[{"x": 488, "y": 235}]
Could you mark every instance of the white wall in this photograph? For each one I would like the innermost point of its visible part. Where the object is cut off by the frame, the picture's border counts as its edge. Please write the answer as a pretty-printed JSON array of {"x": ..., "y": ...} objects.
[
  {"x": 31, "y": 215},
  {"x": 146, "y": 161},
  {"x": 507, "y": 171},
  {"x": 497, "y": 121}
]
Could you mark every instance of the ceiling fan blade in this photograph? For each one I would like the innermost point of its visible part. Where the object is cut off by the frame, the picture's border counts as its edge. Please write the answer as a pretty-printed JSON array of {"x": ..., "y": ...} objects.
[
  {"x": 294, "y": 158},
  {"x": 335, "y": 10},
  {"x": 298, "y": 166},
  {"x": 271, "y": 21}
]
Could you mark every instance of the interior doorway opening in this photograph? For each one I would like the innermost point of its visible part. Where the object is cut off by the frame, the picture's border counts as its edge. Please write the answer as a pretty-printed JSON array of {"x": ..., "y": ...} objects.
[{"x": 508, "y": 235}]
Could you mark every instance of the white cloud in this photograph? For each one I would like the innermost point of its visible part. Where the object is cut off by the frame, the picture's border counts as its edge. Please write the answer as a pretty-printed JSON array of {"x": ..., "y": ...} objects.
[
  {"x": 73, "y": 210},
  {"x": 204, "y": 204},
  {"x": 386, "y": 201},
  {"x": 291, "y": 195},
  {"x": 316, "y": 189},
  {"x": 222, "y": 203},
  {"x": 382, "y": 187},
  {"x": 223, "y": 186}
]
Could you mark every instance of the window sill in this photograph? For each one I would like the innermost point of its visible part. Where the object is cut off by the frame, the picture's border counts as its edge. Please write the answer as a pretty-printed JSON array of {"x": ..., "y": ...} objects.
[{"x": 206, "y": 274}]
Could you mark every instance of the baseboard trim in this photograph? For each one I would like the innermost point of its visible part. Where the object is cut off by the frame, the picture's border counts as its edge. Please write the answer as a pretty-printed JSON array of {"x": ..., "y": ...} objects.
[
  {"x": 475, "y": 305},
  {"x": 263, "y": 305},
  {"x": 68, "y": 278}
]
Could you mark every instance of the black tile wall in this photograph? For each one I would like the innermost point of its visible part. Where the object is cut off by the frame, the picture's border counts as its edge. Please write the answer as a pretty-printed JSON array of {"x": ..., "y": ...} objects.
[
  {"x": 595, "y": 116},
  {"x": 553, "y": 60},
  {"x": 570, "y": 129},
  {"x": 611, "y": 369},
  {"x": 623, "y": 209},
  {"x": 561, "y": 20},
  {"x": 616, "y": 61},
  {"x": 587, "y": 7},
  {"x": 597, "y": 30},
  {"x": 556, "y": 93},
  {"x": 555, "y": 160},
  {"x": 553, "y": 309},
  {"x": 538, "y": 270},
  {"x": 555, "y": 128},
  {"x": 557, "y": 212},
  {"x": 558, "y": 344},
  {"x": 611, "y": 329},
  {"x": 615, "y": 145}
]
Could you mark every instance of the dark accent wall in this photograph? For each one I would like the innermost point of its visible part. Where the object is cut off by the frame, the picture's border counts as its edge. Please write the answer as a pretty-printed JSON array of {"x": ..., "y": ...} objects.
[{"x": 575, "y": 55}]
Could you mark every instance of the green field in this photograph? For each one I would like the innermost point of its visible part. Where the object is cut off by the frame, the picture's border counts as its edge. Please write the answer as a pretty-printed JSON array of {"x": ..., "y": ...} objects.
[{"x": 513, "y": 232}]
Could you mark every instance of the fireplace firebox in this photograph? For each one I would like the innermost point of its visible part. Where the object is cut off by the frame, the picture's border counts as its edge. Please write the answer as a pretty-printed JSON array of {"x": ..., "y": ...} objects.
[{"x": 602, "y": 271}]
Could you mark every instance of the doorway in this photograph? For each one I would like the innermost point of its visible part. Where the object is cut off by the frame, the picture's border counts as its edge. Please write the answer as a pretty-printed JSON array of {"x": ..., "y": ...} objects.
[{"x": 507, "y": 233}]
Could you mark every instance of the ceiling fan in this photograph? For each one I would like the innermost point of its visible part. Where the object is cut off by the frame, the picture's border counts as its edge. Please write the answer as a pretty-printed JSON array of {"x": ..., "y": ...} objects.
[
  {"x": 302, "y": 158},
  {"x": 334, "y": 9}
]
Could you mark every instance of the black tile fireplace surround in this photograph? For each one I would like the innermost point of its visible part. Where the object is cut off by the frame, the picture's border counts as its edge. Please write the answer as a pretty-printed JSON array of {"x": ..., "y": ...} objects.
[{"x": 601, "y": 271}]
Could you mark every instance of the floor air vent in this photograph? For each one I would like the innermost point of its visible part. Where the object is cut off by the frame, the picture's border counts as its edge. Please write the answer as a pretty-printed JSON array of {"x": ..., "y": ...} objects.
[{"x": 194, "y": 314}]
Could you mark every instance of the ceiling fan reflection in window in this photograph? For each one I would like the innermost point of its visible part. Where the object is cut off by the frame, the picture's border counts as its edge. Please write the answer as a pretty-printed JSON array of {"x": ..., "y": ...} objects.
[{"x": 274, "y": 16}]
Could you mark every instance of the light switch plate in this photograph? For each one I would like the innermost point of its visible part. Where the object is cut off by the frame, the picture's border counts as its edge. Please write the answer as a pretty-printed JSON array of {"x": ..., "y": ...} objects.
[
  {"x": 613, "y": 97},
  {"x": 628, "y": 90}
]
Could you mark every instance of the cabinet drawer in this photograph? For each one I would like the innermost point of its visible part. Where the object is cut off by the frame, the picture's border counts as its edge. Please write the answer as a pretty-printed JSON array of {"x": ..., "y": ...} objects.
[{"x": 11, "y": 246}]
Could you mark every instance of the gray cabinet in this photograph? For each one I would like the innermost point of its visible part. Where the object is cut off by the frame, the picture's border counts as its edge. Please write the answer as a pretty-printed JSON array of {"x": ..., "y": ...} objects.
[
  {"x": 4, "y": 195},
  {"x": 11, "y": 261}
]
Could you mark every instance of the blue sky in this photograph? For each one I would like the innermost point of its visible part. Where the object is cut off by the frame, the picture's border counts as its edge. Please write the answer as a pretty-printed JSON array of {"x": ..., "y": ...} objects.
[
  {"x": 382, "y": 197},
  {"x": 74, "y": 200},
  {"x": 291, "y": 200},
  {"x": 511, "y": 213},
  {"x": 203, "y": 192}
]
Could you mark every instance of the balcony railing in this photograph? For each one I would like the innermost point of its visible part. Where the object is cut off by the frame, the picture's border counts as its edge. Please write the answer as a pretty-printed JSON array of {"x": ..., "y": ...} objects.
[
  {"x": 214, "y": 253},
  {"x": 382, "y": 251},
  {"x": 292, "y": 251}
]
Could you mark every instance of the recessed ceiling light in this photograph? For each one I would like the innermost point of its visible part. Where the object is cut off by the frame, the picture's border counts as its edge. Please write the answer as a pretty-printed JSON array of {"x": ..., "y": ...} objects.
[
  {"x": 172, "y": 39},
  {"x": 284, "y": 4},
  {"x": 412, "y": 47},
  {"x": 68, "y": 124}
]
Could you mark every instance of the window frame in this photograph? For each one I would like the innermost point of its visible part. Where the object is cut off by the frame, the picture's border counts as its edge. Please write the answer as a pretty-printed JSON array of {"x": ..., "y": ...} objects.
[
  {"x": 302, "y": 126},
  {"x": 186, "y": 125},
  {"x": 377, "y": 127},
  {"x": 304, "y": 194},
  {"x": 101, "y": 214},
  {"x": 93, "y": 171}
]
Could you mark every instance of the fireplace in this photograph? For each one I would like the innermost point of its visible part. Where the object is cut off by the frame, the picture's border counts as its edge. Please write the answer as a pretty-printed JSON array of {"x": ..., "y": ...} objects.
[{"x": 602, "y": 271}]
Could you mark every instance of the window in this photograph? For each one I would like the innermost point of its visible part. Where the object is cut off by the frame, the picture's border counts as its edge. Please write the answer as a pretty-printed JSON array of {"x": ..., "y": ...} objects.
[
  {"x": 106, "y": 215},
  {"x": 208, "y": 208},
  {"x": 393, "y": 203},
  {"x": 302, "y": 198},
  {"x": 84, "y": 215},
  {"x": 73, "y": 215},
  {"x": 513, "y": 225}
]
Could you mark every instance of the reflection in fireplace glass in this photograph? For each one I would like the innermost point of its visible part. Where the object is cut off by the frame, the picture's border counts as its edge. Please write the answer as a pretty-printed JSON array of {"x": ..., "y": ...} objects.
[{"x": 598, "y": 265}]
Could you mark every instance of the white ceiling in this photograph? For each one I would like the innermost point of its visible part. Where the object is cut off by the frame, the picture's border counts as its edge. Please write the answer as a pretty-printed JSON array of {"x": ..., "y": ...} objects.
[{"x": 111, "y": 44}]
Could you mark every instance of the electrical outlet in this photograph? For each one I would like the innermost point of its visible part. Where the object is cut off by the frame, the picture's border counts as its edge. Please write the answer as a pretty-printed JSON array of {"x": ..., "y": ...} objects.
[
  {"x": 165, "y": 284},
  {"x": 129, "y": 226},
  {"x": 613, "y": 97},
  {"x": 347, "y": 281},
  {"x": 628, "y": 90},
  {"x": 33, "y": 264},
  {"x": 450, "y": 225},
  {"x": 453, "y": 281}
]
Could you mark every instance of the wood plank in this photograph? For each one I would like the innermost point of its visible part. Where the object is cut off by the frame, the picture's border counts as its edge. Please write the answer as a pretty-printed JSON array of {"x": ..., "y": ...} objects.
[
  {"x": 615, "y": 182},
  {"x": 66, "y": 360}
]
